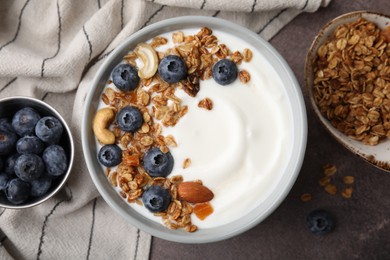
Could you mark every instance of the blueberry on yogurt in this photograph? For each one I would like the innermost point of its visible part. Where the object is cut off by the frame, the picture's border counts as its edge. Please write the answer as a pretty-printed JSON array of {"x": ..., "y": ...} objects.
[
  {"x": 224, "y": 72},
  {"x": 157, "y": 163},
  {"x": 49, "y": 129},
  {"x": 172, "y": 69},
  {"x": 125, "y": 77},
  {"x": 156, "y": 198},
  {"x": 110, "y": 155},
  {"x": 129, "y": 119},
  {"x": 24, "y": 121}
]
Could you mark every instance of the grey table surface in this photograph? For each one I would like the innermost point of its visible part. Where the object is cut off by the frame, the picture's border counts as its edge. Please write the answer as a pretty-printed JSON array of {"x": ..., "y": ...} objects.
[{"x": 362, "y": 222}]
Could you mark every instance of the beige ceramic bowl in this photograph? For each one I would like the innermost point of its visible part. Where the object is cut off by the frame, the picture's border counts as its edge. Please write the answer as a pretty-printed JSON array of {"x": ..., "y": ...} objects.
[{"x": 378, "y": 155}]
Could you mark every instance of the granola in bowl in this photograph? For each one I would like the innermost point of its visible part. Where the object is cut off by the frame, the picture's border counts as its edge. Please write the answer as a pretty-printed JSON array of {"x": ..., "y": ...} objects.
[
  {"x": 213, "y": 138},
  {"x": 347, "y": 75}
]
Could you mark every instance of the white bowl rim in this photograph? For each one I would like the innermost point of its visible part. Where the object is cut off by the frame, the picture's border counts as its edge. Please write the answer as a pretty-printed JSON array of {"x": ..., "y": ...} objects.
[{"x": 300, "y": 132}]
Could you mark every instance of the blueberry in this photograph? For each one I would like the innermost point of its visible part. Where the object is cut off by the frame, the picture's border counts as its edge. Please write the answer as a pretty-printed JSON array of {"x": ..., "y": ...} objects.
[
  {"x": 6, "y": 125},
  {"x": 320, "y": 222},
  {"x": 4, "y": 179},
  {"x": 55, "y": 159},
  {"x": 125, "y": 77},
  {"x": 110, "y": 155},
  {"x": 17, "y": 191},
  {"x": 129, "y": 119},
  {"x": 29, "y": 144},
  {"x": 172, "y": 69},
  {"x": 7, "y": 142},
  {"x": 49, "y": 129},
  {"x": 225, "y": 72},
  {"x": 9, "y": 164},
  {"x": 39, "y": 187},
  {"x": 156, "y": 198},
  {"x": 24, "y": 121},
  {"x": 157, "y": 163},
  {"x": 29, "y": 167}
]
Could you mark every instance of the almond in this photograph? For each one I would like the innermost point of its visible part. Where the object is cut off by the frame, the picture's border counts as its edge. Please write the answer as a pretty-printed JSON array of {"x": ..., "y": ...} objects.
[{"x": 194, "y": 192}]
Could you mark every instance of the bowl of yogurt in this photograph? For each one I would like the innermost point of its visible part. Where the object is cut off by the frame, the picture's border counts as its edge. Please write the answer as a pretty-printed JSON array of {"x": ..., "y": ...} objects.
[{"x": 206, "y": 157}]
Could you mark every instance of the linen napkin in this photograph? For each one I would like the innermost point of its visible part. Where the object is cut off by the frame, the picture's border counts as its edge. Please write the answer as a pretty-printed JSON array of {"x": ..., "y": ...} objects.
[{"x": 51, "y": 50}]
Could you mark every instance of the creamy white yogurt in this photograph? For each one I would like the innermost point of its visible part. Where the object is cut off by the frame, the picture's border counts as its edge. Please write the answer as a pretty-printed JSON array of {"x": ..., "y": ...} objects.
[{"x": 240, "y": 148}]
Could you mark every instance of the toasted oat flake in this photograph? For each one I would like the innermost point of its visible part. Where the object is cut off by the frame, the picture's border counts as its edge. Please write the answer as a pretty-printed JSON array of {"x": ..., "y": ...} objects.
[
  {"x": 324, "y": 181},
  {"x": 305, "y": 197},
  {"x": 330, "y": 170},
  {"x": 348, "y": 180},
  {"x": 244, "y": 76},
  {"x": 331, "y": 189},
  {"x": 347, "y": 193},
  {"x": 206, "y": 103},
  {"x": 186, "y": 163}
]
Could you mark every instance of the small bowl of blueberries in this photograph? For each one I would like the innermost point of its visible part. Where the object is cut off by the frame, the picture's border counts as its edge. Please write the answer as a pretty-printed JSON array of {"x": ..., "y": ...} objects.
[{"x": 36, "y": 152}]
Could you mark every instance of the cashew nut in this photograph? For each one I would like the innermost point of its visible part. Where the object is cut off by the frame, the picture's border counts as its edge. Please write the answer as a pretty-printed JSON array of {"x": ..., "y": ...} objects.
[
  {"x": 102, "y": 120},
  {"x": 149, "y": 58}
]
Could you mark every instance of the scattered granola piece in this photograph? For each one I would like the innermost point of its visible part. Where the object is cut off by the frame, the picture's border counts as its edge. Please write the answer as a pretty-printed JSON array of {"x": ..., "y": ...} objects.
[
  {"x": 331, "y": 189},
  {"x": 244, "y": 76},
  {"x": 324, "y": 181},
  {"x": 186, "y": 163},
  {"x": 305, "y": 197},
  {"x": 348, "y": 179},
  {"x": 347, "y": 192},
  {"x": 330, "y": 170},
  {"x": 206, "y": 103}
]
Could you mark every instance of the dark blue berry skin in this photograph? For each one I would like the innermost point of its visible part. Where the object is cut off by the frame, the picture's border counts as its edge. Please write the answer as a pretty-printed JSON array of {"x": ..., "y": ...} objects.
[
  {"x": 7, "y": 142},
  {"x": 157, "y": 163},
  {"x": 9, "y": 164},
  {"x": 129, "y": 119},
  {"x": 6, "y": 125},
  {"x": 1, "y": 163},
  {"x": 4, "y": 179},
  {"x": 320, "y": 222},
  {"x": 29, "y": 167},
  {"x": 24, "y": 121},
  {"x": 55, "y": 160},
  {"x": 125, "y": 77},
  {"x": 225, "y": 72},
  {"x": 110, "y": 155},
  {"x": 39, "y": 187},
  {"x": 49, "y": 129},
  {"x": 172, "y": 69},
  {"x": 17, "y": 191},
  {"x": 156, "y": 199},
  {"x": 29, "y": 144}
]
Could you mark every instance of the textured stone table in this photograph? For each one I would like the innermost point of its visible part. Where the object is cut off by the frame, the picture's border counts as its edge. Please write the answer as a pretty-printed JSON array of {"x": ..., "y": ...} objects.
[{"x": 363, "y": 222}]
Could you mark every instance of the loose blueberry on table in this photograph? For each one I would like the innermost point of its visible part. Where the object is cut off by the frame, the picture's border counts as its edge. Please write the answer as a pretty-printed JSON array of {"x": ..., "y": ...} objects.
[
  {"x": 320, "y": 222},
  {"x": 31, "y": 157}
]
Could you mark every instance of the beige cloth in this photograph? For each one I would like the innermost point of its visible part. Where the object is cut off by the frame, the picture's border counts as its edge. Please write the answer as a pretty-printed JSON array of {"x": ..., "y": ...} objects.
[{"x": 51, "y": 50}]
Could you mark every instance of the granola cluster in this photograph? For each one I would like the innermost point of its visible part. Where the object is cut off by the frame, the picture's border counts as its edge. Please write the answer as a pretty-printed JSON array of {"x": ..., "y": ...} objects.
[
  {"x": 352, "y": 81},
  {"x": 160, "y": 108}
]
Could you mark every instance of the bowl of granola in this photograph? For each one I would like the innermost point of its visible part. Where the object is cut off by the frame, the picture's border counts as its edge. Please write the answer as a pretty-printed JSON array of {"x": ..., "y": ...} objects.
[
  {"x": 194, "y": 129},
  {"x": 347, "y": 76}
]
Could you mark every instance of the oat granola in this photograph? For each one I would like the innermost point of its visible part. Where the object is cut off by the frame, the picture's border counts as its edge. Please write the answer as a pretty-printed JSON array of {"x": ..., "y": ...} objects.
[{"x": 352, "y": 81}]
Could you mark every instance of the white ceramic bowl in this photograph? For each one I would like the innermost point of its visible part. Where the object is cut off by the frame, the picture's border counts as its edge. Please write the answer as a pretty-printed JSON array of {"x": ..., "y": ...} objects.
[
  {"x": 8, "y": 107},
  {"x": 378, "y": 155},
  {"x": 282, "y": 187}
]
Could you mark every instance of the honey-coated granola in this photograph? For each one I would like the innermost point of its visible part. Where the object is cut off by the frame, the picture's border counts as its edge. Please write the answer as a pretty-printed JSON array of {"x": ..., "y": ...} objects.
[
  {"x": 160, "y": 106},
  {"x": 352, "y": 81}
]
